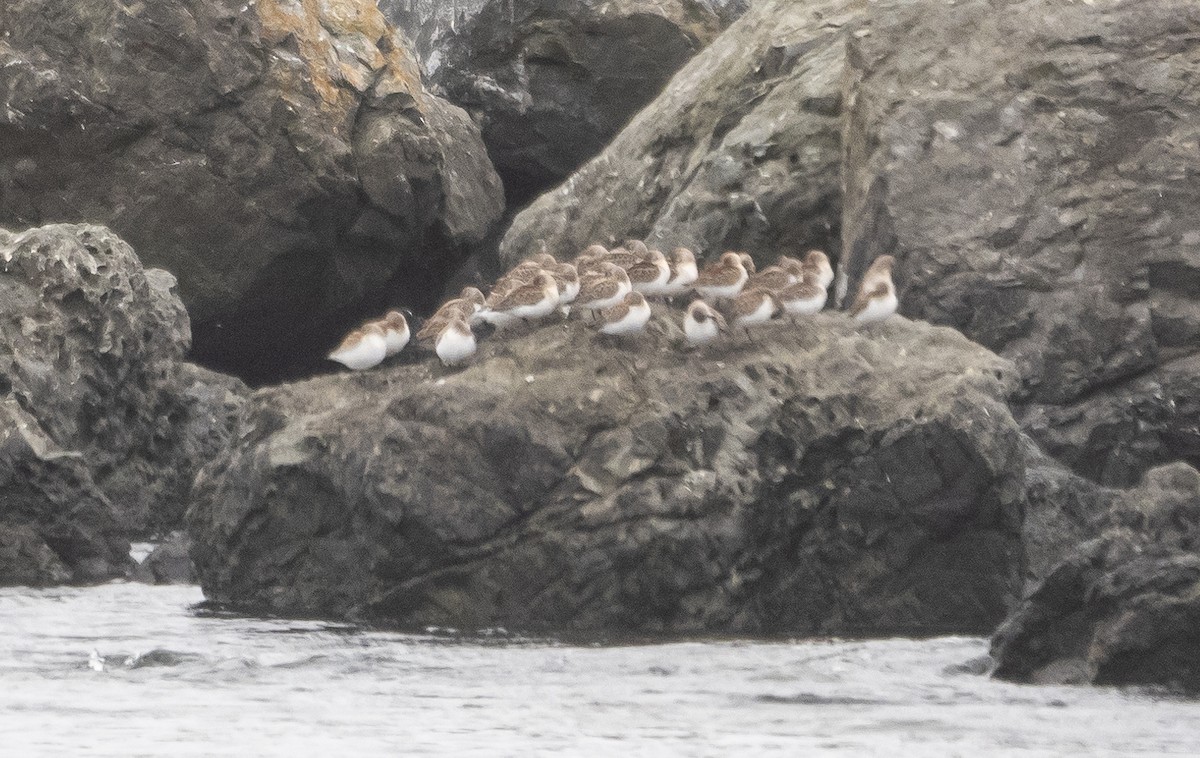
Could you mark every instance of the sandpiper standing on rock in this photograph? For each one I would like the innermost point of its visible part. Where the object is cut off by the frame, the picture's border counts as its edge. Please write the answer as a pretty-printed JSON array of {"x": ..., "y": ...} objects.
[
  {"x": 627, "y": 317},
  {"x": 804, "y": 298},
  {"x": 363, "y": 348},
  {"x": 534, "y": 300},
  {"x": 455, "y": 342},
  {"x": 683, "y": 272},
  {"x": 818, "y": 264},
  {"x": 603, "y": 288},
  {"x": 877, "y": 295},
  {"x": 702, "y": 323},
  {"x": 754, "y": 306},
  {"x": 772, "y": 279},
  {"x": 723, "y": 279},
  {"x": 395, "y": 332},
  {"x": 650, "y": 276}
]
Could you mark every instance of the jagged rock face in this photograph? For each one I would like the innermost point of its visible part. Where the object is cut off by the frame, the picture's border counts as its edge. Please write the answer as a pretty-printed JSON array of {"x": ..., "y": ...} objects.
[
  {"x": 1034, "y": 180},
  {"x": 741, "y": 151},
  {"x": 104, "y": 427},
  {"x": 821, "y": 481},
  {"x": 1122, "y": 608},
  {"x": 552, "y": 81},
  {"x": 282, "y": 159}
]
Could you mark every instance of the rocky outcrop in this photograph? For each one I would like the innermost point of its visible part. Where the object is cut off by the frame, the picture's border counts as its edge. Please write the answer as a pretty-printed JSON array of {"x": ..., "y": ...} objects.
[
  {"x": 820, "y": 480},
  {"x": 169, "y": 563},
  {"x": 56, "y": 526},
  {"x": 1034, "y": 182},
  {"x": 1062, "y": 509},
  {"x": 1123, "y": 608},
  {"x": 104, "y": 427},
  {"x": 552, "y": 81},
  {"x": 741, "y": 151},
  {"x": 282, "y": 159}
]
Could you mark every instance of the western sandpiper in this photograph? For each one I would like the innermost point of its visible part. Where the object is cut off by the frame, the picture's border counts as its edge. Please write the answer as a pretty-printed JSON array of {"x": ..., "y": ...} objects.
[
  {"x": 702, "y": 323},
  {"x": 362, "y": 348}
]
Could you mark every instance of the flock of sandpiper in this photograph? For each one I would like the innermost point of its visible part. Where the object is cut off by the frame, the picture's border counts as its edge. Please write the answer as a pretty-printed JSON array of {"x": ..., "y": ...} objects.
[{"x": 616, "y": 284}]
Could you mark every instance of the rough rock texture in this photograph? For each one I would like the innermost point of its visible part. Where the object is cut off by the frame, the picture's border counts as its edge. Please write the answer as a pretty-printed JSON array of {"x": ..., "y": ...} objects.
[
  {"x": 1123, "y": 608},
  {"x": 90, "y": 349},
  {"x": 552, "y": 81},
  {"x": 835, "y": 482},
  {"x": 281, "y": 158},
  {"x": 1062, "y": 509},
  {"x": 56, "y": 526},
  {"x": 1033, "y": 171},
  {"x": 169, "y": 563},
  {"x": 742, "y": 150}
]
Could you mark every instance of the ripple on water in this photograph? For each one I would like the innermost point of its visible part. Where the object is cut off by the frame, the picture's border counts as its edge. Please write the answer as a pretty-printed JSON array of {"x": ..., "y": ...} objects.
[{"x": 181, "y": 682}]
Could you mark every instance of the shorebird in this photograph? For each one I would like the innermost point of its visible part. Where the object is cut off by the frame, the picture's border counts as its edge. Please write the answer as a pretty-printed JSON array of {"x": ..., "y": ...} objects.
[
  {"x": 363, "y": 348},
  {"x": 534, "y": 300},
  {"x": 628, "y": 316},
  {"x": 755, "y": 306},
  {"x": 803, "y": 298},
  {"x": 604, "y": 288},
  {"x": 683, "y": 272},
  {"x": 467, "y": 305},
  {"x": 650, "y": 276},
  {"x": 455, "y": 342},
  {"x": 817, "y": 262},
  {"x": 702, "y": 323},
  {"x": 748, "y": 262},
  {"x": 771, "y": 278},
  {"x": 877, "y": 294},
  {"x": 723, "y": 279},
  {"x": 395, "y": 332},
  {"x": 566, "y": 276}
]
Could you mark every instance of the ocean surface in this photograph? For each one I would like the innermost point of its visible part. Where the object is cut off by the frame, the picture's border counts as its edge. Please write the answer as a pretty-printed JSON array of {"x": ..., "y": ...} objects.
[{"x": 134, "y": 670}]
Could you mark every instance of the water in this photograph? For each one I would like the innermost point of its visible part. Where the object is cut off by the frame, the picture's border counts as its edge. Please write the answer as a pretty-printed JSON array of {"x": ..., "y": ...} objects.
[{"x": 209, "y": 685}]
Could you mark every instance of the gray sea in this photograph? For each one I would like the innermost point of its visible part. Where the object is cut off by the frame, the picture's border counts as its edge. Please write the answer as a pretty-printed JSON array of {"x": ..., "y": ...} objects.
[{"x": 134, "y": 670}]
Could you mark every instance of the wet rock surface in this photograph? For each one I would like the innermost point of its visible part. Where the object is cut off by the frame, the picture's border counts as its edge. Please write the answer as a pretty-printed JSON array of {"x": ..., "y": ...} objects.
[
  {"x": 283, "y": 160},
  {"x": 552, "y": 81},
  {"x": 104, "y": 426},
  {"x": 741, "y": 151},
  {"x": 1033, "y": 180},
  {"x": 822, "y": 480},
  {"x": 1123, "y": 608}
]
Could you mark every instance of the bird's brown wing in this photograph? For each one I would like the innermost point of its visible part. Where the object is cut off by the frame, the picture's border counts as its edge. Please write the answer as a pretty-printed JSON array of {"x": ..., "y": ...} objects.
[{"x": 864, "y": 298}]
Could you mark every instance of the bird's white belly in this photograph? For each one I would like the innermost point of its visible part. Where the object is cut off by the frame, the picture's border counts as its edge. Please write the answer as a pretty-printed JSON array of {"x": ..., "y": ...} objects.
[
  {"x": 454, "y": 348},
  {"x": 369, "y": 352}
]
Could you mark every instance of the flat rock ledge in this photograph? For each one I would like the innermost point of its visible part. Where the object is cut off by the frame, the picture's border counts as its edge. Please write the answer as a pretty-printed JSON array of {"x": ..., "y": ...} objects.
[
  {"x": 821, "y": 480},
  {"x": 1123, "y": 608}
]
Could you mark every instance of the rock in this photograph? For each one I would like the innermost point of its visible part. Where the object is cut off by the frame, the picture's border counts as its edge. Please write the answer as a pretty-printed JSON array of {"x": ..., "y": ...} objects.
[
  {"x": 1034, "y": 182},
  {"x": 1113, "y": 435},
  {"x": 169, "y": 563},
  {"x": 552, "y": 81},
  {"x": 427, "y": 23},
  {"x": 90, "y": 367},
  {"x": 741, "y": 151},
  {"x": 56, "y": 526},
  {"x": 1062, "y": 509},
  {"x": 841, "y": 482},
  {"x": 282, "y": 159},
  {"x": 1122, "y": 608}
]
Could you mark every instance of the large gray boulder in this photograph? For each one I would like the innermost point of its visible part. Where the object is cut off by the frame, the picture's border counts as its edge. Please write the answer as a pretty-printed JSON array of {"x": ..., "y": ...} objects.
[
  {"x": 282, "y": 159},
  {"x": 822, "y": 480},
  {"x": 103, "y": 426},
  {"x": 742, "y": 150},
  {"x": 1123, "y": 608},
  {"x": 1032, "y": 167},
  {"x": 552, "y": 81}
]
